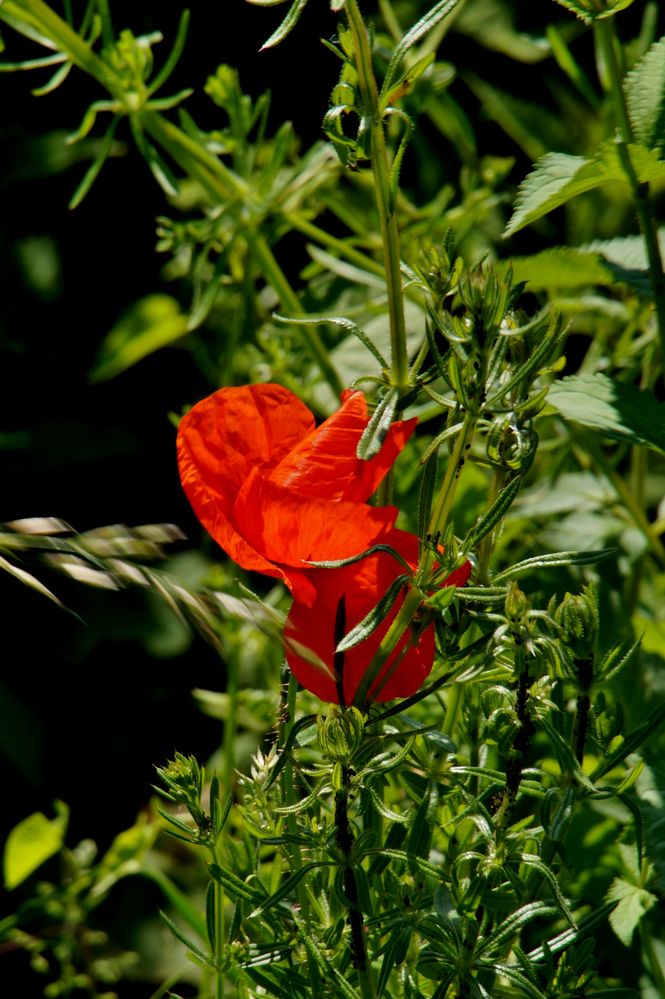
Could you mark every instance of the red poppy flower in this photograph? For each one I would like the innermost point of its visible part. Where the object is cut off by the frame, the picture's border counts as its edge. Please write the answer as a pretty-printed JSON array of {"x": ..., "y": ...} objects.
[
  {"x": 312, "y": 632},
  {"x": 275, "y": 491}
]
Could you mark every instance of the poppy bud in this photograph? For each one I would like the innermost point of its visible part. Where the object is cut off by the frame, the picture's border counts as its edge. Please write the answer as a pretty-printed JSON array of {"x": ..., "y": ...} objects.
[{"x": 341, "y": 734}]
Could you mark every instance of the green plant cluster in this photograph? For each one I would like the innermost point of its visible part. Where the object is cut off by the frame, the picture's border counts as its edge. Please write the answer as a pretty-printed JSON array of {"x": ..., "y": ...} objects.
[{"x": 497, "y": 833}]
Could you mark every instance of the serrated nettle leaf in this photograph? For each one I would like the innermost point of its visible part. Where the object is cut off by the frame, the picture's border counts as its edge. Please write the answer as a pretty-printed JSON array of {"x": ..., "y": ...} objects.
[
  {"x": 644, "y": 87},
  {"x": 558, "y": 177},
  {"x": 619, "y": 410},
  {"x": 562, "y": 267}
]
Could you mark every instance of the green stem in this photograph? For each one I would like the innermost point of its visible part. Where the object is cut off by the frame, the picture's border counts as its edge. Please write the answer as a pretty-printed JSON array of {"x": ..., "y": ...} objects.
[
  {"x": 381, "y": 174},
  {"x": 40, "y": 16},
  {"x": 444, "y": 501},
  {"x": 607, "y": 43},
  {"x": 218, "y": 944},
  {"x": 486, "y": 546},
  {"x": 290, "y": 797},
  {"x": 414, "y": 596},
  {"x": 453, "y": 706},
  {"x": 387, "y": 645},
  {"x": 230, "y": 727},
  {"x": 344, "y": 840}
]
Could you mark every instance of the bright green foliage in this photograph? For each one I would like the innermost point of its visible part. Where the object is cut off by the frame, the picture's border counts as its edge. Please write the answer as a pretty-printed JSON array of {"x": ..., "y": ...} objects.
[
  {"x": 559, "y": 177},
  {"x": 31, "y": 843},
  {"x": 645, "y": 95},
  {"x": 620, "y": 411},
  {"x": 499, "y": 833}
]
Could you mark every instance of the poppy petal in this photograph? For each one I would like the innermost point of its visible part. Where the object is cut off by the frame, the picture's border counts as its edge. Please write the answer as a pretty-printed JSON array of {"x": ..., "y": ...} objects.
[
  {"x": 324, "y": 464},
  {"x": 222, "y": 439},
  {"x": 312, "y": 626},
  {"x": 361, "y": 586},
  {"x": 293, "y": 529}
]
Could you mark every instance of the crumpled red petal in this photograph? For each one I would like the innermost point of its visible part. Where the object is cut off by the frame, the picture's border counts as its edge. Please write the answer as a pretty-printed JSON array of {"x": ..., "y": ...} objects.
[
  {"x": 292, "y": 530},
  {"x": 324, "y": 464},
  {"x": 221, "y": 440}
]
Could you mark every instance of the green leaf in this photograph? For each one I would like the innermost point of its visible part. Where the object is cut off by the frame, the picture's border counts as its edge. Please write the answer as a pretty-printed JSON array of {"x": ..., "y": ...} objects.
[
  {"x": 376, "y": 616},
  {"x": 552, "y": 559},
  {"x": 183, "y": 938},
  {"x": 346, "y": 324},
  {"x": 491, "y": 23},
  {"x": 588, "y": 11},
  {"x": 32, "y": 842},
  {"x": 640, "y": 735},
  {"x": 620, "y": 411},
  {"x": 496, "y": 512},
  {"x": 235, "y": 886},
  {"x": 633, "y": 901},
  {"x": 289, "y": 886},
  {"x": 645, "y": 96},
  {"x": 287, "y": 25},
  {"x": 411, "y": 37},
  {"x": 150, "y": 324},
  {"x": 562, "y": 267},
  {"x": 558, "y": 177},
  {"x": 376, "y": 430}
]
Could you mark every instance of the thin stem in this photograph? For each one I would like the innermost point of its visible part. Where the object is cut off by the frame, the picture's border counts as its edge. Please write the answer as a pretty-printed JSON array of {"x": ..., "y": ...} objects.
[
  {"x": 486, "y": 546},
  {"x": 453, "y": 706},
  {"x": 414, "y": 596},
  {"x": 218, "y": 943},
  {"x": 344, "y": 840},
  {"x": 381, "y": 174},
  {"x": 388, "y": 644},
  {"x": 444, "y": 500},
  {"x": 607, "y": 42}
]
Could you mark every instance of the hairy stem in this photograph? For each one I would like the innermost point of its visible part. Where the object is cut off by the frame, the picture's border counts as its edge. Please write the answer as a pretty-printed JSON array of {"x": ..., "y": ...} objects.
[
  {"x": 344, "y": 840},
  {"x": 381, "y": 174}
]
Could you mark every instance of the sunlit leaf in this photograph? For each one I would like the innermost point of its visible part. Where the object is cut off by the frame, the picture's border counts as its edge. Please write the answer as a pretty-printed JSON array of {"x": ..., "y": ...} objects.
[
  {"x": 150, "y": 324},
  {"x": 33, "y": 841},
  {"x": 558, "y": 177},
  {"x": 618, "y": 410}
]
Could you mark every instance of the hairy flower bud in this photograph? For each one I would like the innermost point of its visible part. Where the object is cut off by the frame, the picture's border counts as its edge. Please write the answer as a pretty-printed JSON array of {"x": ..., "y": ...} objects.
[
  {"x": 577, "y": 615},
  {"x": 341, "y": 734},
  {"x": 517, "y": 604}
]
